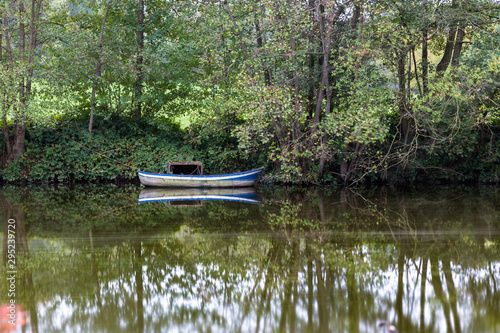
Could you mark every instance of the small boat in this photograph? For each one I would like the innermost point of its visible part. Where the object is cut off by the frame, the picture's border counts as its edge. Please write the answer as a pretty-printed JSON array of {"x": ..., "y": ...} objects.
[
  {"x": 239, "y": 179},
  {"x": 195, "y": 196}
]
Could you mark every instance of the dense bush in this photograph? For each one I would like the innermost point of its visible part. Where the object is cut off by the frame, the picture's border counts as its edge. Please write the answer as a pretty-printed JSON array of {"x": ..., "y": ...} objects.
[
  {"x": 119, "y": 146},
  {"x": 115, "y": 150}
]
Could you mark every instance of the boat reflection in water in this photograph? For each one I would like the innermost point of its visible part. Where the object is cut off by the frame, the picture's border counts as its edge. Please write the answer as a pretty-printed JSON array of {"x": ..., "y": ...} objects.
[{"x": 195, "y": 196}]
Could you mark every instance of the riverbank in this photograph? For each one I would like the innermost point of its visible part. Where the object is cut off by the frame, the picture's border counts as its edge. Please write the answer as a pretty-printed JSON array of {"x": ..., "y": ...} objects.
[{"x": 118, "y": 147}]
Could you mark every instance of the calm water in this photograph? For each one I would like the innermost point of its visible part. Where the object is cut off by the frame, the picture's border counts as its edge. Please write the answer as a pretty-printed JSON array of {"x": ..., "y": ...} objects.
[{"x": 94, "y": 259}]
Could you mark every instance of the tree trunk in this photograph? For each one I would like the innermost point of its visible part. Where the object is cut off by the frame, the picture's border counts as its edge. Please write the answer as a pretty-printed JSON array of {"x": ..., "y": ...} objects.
[
  {"x": 326, "y": 38},
  {"x": 235, "y": 25},
  {"x": 22, "y": 50},
  {"x": 98, "y": 68},
  {"x": 140, "y": 60},
  {"x": 20, "y": 119},
  {"x": 398, "y": 306},
  {"x": 5, "y": 103},
  {"x": 439, "y": 292},
  {"x": 452, "y": 295},
  {"x": 18, "y": 144},
  {"x": 425, "y": 63},
  {"x": 24, "y": 90},
  {"x": 408, "y": 72},
  {"x": 353, "y": 293},
  {"x": 314, "y": 62},
  {"x": 415, "y": 68},
  {"x": 6, "y": 133},
  {"x": 355, "y": 17},
  {"x": 92, "y": 98},
  {"x": 260, "y": 44},
  {"x": 349, "y": 161},
  {"x": 326, "y": 31},
  {"x": 295, "y": 74},
  {"x": 448, "y": 51},
  {"x": 423, "y": 282},
  {"x": 404, "y": 127},
  {"x": 5, "y": 100},
  {"x": 94, "y": 270},
  {"x": 458, "y": 46},
  {"x": 36, "y": 7},
  {"x": 296, "y": 65},
  {"x": 139, "y": 284}
]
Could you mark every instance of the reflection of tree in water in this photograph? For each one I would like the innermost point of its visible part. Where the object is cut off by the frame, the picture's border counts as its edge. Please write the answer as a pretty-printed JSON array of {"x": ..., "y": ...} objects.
[
  {"x": 295, "y": 283},
  {"x": 331, "y": 263},
  {"x": 23, "y": 281},
  {"x": 407, "y": 231}
]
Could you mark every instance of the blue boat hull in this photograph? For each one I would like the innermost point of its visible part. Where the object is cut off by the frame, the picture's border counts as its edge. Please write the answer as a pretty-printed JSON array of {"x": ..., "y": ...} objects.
[
  {"x": 242, "y": 194},
  {"x": 240, "y": 179}
]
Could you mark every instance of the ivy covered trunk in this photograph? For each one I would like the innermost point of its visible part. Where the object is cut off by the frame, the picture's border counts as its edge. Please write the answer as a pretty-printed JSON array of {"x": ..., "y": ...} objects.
[
  {"x": 20, "y": 68},
  {"x": 17, "y": 147}
]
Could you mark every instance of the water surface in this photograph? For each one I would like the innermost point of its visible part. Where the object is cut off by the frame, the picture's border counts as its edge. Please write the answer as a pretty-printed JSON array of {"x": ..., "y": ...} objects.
[{"x": 94, "y": 259}]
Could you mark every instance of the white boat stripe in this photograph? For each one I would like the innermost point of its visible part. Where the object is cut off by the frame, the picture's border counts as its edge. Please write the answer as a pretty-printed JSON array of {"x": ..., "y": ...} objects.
[
  {"x": 208, "y": 197},
  {"x": 231, "y": 177}
]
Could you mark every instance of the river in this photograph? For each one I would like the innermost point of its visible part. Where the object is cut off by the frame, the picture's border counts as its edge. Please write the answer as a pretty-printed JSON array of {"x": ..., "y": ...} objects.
[{"x": 121, "y": 259}]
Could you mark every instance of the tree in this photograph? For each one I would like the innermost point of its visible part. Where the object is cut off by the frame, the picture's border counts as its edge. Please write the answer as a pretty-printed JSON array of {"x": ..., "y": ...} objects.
[
  {"x": 21, "y": 21},
  {"x": 140, "y": 58},
  {"x": 98, "y": 66}
]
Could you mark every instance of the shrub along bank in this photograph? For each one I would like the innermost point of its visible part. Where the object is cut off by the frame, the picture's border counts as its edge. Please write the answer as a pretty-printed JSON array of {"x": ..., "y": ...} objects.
[
  {"x": 119, "y": 146},
  {"x": 114, "y": 151}
]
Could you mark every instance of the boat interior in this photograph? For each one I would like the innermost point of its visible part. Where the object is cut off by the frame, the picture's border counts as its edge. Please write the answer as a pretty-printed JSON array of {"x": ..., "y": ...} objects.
[{"x": 185, "y": 168}]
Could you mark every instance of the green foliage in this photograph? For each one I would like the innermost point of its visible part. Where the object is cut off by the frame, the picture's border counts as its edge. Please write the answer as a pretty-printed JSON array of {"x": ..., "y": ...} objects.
[
  {"x": 213, "y": 131},
  {"x": 274, "y": 127},
  {"x": 328, "y": 93},
  {"x": 458, "y": 121},
  {"x": 289, "y": 220},
  {"x": 115, "y": 150}
]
